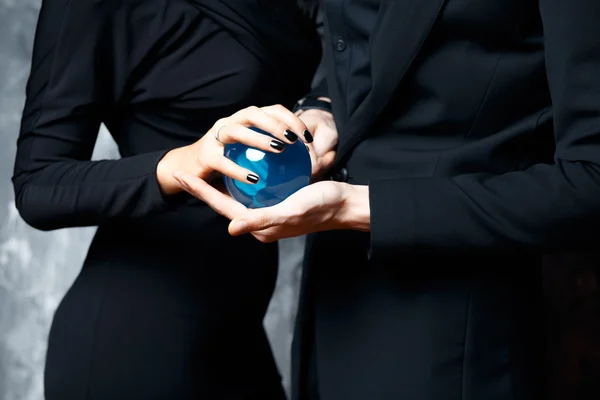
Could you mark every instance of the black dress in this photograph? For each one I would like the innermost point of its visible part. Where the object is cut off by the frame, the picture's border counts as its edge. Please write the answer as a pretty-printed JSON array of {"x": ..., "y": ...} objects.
[{"x": 167, "y": 305}]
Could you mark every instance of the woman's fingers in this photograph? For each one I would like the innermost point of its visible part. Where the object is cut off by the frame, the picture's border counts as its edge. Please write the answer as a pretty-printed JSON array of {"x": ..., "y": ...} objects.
[
  {"x": 259, "y": 118},
  {"x": 291, "y": 120},
  {"x": 235, "y": 133},
  {"x": 280, "y": 124},
  {"x": 283, "y": 114},
  {"x": 218, "y": 201},
  {"x": 232, "y": 170}
]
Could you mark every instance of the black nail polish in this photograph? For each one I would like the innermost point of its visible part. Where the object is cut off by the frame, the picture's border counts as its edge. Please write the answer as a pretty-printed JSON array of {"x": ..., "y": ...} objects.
[
  {"x": 252, "y": 178},
  {"x": 277, "y": 145},
  {"x": 291, "y": 136},
  {"x": 308, "y": 137}
]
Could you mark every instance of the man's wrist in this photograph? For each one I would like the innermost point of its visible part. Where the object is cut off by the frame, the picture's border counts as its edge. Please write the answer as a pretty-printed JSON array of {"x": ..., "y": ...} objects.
[
  {"x": 312, "y": 103},
  {"x": 316, "y": 113},
  {"x": 355, "y": 212}
]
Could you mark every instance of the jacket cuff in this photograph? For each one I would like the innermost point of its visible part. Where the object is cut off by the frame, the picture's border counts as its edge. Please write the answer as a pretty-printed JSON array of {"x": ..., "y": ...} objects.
[
  {"x": 320, "y": 89},
  {"x": 393, "y": 211}
]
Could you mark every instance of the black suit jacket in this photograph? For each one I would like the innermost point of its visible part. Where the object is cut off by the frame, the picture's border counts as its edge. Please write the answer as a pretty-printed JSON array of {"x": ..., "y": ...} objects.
[{"x": 480, "y": 143}]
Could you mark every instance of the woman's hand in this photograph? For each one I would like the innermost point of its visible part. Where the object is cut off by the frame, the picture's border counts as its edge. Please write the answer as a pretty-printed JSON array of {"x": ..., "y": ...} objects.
[
  {"x": 206, "y": 156},
  {"x": 324, "y": 131}
]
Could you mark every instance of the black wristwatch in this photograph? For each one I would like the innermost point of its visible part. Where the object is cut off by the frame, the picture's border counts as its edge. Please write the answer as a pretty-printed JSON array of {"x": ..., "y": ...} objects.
[{"x": 311, "y": 103}]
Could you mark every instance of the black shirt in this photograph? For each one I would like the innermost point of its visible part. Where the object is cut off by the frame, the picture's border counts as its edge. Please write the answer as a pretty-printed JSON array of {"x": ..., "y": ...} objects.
[{"x": 350, "y": 24}]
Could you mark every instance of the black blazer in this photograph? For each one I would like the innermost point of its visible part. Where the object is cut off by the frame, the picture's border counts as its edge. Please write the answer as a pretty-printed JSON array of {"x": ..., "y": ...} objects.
[{"x": 480, "y": 143}]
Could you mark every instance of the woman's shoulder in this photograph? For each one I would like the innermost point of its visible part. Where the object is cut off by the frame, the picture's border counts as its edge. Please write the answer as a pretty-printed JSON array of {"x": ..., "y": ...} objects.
[{"x": 115, "y": 11}]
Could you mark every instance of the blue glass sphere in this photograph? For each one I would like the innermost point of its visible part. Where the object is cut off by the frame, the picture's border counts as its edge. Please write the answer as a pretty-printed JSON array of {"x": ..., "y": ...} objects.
[{"x": 280, "y": 174}]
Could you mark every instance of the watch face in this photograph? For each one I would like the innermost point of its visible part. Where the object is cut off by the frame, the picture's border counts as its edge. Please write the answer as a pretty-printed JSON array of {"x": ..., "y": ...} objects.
[{"x": 280, "y": 174}]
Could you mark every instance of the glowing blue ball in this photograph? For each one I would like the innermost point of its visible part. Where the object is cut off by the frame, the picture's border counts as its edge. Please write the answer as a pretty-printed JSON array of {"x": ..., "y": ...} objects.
[{"x": 280, "y": 174}]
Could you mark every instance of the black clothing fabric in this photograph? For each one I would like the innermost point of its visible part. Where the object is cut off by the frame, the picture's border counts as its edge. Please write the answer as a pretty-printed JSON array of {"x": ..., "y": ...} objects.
[
  {"x": 350, "y": 25},
  {"x": 167, "y": 305},
  {"x": 479, "y": 140},
  {"x": 120, "y": 67},
  {"x": 276, "y": 38}
]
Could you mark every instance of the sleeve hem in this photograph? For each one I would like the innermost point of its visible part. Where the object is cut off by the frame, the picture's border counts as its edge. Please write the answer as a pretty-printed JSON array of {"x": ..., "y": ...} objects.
[
  {"x": 392, "y": 210},
  {"x": 166, "y": 201},
  {"x": 320, "y": 89},
  {"x": 162, "y": 201}
]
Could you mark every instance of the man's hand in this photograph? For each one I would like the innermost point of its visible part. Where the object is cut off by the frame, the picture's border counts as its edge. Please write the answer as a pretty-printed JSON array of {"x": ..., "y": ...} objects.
[
  {"x": 325, "y": 134},
  {"x": 322, "y": 206}
]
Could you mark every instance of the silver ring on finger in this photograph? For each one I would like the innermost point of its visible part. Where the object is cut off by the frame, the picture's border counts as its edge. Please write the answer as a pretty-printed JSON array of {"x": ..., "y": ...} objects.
[{"x": 217, "y": 134}]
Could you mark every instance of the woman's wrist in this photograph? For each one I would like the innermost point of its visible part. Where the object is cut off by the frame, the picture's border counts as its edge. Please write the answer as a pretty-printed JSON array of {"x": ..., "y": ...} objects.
[{"x": 170, "y": 162}]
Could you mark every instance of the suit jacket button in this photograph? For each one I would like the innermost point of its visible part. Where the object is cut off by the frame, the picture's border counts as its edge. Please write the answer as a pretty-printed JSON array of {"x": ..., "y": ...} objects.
[
  {"x": 340, "y": 176},
  {"x": 340, "y": 44}
]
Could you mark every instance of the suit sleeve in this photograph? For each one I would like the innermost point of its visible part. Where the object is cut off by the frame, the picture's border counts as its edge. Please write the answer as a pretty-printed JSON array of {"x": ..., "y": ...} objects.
[
  {"x": 547, "y": 206},
  {"x": 69, "y": 92}
]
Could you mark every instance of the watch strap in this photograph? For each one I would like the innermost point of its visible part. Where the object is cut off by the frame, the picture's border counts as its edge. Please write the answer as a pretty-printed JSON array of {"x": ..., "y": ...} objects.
[{"x": 311, "y": 103}]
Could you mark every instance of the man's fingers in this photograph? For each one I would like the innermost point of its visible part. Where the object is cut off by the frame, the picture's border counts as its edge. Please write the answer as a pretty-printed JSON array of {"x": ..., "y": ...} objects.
[
  {"x": 265, "y": 238},
  {"x": 254, "y": 221},
  {"x": 314, "y": 160},
  {"x": 327, "y": 160}
]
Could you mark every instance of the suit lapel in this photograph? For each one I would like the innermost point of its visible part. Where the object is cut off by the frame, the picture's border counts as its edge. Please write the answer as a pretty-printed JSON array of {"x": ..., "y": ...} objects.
[{"x": 402, "y": 29}]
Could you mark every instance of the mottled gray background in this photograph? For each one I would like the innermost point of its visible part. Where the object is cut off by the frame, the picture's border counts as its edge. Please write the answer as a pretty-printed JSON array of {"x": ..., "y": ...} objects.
[{"x": 36, "y": 268}]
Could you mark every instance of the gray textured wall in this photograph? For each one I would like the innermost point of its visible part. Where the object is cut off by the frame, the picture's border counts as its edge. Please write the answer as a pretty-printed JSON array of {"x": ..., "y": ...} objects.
[{"x": 36, "y": 268}]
